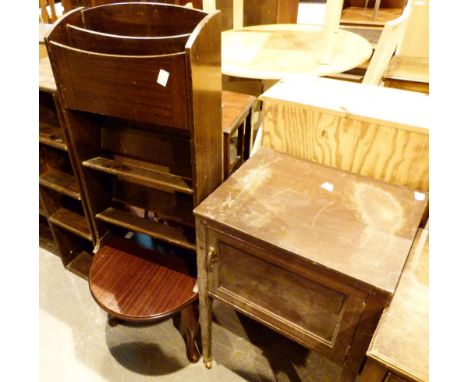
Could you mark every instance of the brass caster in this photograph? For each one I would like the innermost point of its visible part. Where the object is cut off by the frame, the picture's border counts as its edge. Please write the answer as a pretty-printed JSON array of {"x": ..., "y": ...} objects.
[{"x": 208, "y": 363}]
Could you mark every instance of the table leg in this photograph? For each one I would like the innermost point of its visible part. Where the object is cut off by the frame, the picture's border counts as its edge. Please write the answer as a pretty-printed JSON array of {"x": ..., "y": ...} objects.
[
  {"x": 226, "y": 155},
  {"x": 376, "y": 8},
  {"x": 205, "y": 301},
  {"x": 248, "y": 138}
]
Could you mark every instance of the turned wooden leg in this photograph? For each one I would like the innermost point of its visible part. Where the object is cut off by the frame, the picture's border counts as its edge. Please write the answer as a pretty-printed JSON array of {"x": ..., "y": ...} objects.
[
  {"x": 112, "y": 321},
  {"x": 189, "y": 327}
]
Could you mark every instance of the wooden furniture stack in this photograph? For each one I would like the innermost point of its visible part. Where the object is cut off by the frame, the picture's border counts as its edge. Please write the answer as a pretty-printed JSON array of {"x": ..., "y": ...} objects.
[
  {"x": 61, "y": 200},
  {"x": 140, "y": 90},
  {"x": 312, "y": 252}
]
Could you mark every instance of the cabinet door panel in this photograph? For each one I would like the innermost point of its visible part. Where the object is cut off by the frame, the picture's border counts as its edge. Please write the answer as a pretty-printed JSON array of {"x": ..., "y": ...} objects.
[{"x": 318, "y": 312}]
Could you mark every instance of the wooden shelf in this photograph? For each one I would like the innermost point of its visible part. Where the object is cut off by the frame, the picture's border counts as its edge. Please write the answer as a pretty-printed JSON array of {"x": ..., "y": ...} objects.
[
  {"x": 81, "y": 264},
  {"x": 61, "y": 182},
  {"x": 71, "y": 221},
  {"x": 148, "y": 227},
  {"x": 51, "y": 136},
  {"x": 135, "y": 283},
  {"x": 42, "y": 211},
  {"x": 150, "y": 177}
]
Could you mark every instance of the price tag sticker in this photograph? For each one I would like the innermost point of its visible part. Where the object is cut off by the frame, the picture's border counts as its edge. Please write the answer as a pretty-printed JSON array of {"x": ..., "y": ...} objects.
[{"x": 163, "y": 77}]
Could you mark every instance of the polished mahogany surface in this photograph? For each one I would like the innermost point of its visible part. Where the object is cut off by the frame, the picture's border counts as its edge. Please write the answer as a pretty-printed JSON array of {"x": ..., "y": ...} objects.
[{"x": 135, "y": 283}]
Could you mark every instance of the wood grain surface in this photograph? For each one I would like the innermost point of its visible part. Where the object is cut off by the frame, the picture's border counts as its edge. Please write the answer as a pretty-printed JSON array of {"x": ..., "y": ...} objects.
[
  {"x": 236, "y": 106},
  {"x": 134, "y": 283},
  {"x": 401, "y": 341},
  {"x": 351, "y": 127},
  {"x": 353, "y": 225},
  {"x": 272, "y": 52}
]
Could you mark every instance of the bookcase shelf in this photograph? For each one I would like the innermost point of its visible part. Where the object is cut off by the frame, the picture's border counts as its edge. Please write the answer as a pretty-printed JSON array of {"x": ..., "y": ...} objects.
[
  {"x": 72, "y": 222},
  {"x": 178, "y": 236},
  {"x": 51, "y": 136},
  {"x": 139, "y": 85},
  {"x": 61, "y": 207},
  {"x": 61, "y": 182},
  {"x": 134, "y": 173},
  {"x": 81, "y": 264}
]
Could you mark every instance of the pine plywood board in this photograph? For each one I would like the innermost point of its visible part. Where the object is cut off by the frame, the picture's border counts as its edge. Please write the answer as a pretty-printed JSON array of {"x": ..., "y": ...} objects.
[
  {"x": 399, "y": 108},
  {"x": 331, "y": 125}
]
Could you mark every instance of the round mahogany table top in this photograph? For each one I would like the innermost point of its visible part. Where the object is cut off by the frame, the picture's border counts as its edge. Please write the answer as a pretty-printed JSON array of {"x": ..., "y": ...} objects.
[
  {"x": 273, "y": 52},
  {"x": 134, "y": 283}
]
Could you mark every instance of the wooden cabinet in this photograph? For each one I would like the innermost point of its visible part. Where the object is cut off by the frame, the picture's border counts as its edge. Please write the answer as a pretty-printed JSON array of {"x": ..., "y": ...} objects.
[
  {"x": 310, "y": 251},
  {"x": 61, "y": 201}
]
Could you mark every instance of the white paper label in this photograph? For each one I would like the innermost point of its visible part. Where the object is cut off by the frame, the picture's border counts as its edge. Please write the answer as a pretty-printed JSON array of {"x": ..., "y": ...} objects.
[
  {"x": 195, "y": 288},
  {"x": 419, "y": 196},
  {"x": 163, "y": 77},
  {"x": 327, "y": 186}
]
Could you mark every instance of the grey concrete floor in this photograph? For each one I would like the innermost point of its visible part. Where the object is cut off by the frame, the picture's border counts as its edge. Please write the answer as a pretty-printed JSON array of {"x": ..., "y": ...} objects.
[{"x": 77, "y": 344}]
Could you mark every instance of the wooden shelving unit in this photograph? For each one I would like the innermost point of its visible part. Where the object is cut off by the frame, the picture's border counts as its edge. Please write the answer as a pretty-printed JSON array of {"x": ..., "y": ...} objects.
[
  {"x": 143, "y": 120},
  {"x": 64, "y": 226}
]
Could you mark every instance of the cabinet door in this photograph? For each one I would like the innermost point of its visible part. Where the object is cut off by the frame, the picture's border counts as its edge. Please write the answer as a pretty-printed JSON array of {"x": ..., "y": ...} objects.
[{"x": 317, "y": 311}]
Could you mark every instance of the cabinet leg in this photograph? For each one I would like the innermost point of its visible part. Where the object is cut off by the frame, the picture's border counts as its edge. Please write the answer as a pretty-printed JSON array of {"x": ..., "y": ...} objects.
[
  {"x": 206, "y": 311},
  {"x": 189, "y": 328}
]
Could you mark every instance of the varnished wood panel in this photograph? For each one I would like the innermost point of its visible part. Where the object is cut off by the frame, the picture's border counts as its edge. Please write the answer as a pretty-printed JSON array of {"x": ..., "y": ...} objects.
[
  {"x": 134, "y": 283},
  {"x": 123, "y": 86},
  {"x": 309, "y": 307},
  {"x": 142, "y": 19},
  {"x": 131, "y": 140},
  {"x": 361, "y": 228},
  {"x": 204, "y": 53},
  {"x": 93, "y": 41}
]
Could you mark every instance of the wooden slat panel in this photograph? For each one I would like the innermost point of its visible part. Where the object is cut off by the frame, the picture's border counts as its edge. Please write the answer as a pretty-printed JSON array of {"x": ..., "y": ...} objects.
[
  {"x": 123, "y": 86},
  {"x": 156, "y": 230},
  {"x": 72, "y": 222},
  {"x": 61, "y": 182},
  {"x": 149, "y": 176},
  {"x": 93, "y": 41},
  {"x": 142, "y": 19}
]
